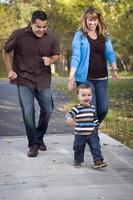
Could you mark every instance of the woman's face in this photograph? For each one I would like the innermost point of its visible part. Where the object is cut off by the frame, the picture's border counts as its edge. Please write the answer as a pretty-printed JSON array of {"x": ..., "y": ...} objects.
[{"x": 91, "y": 23}]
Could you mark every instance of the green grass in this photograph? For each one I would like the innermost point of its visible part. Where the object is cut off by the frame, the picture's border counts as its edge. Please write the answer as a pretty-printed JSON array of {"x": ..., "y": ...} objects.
[
  {"x": 3, "y": 72},
  {"x": 119, "y": 121},
  {"x": 125, "y": 74}
]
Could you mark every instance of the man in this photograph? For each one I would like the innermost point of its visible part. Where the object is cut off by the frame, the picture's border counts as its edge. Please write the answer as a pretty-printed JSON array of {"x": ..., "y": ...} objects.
[{"x": 34, "y": 49}]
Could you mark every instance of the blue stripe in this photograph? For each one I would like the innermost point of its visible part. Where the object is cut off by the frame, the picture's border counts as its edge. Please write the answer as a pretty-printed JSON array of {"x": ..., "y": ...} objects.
[
  {"x": 86, "y": 110},
  {"x": 85, "y": 124}
]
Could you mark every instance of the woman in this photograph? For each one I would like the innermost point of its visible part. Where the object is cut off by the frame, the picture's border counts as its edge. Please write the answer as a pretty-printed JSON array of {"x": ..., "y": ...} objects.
[{"x": 91, "y": 49}]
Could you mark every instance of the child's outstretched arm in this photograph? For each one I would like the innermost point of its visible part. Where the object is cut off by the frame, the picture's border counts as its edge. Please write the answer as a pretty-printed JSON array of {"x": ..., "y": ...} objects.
[
  {"x": 70, "y": 117},
  {"x": 70, "y": 121}
]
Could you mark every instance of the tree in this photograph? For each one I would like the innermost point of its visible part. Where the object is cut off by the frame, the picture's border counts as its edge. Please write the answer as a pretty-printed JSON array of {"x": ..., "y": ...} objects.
[
  {"x": 64, "y": 17},
  {"x": 120, "y": 21},
  {"x": 8, "y": 20}
]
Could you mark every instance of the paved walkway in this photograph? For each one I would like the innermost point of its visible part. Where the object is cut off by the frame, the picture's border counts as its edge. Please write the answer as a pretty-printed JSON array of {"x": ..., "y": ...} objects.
[
  {"x": 51, "y": 175},
  {"x": 11, "y": 122}
]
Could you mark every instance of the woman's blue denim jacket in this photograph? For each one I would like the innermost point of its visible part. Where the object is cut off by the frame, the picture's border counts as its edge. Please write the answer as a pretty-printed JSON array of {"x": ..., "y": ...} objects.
[{"x": 81, "y": 55}]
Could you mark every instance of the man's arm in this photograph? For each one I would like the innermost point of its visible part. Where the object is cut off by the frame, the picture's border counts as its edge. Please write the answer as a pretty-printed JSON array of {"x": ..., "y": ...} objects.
[
  {"x": 54, "y": 59},
  {"x": 50, "y": 60},
  {"x": 7, "y": 61}
]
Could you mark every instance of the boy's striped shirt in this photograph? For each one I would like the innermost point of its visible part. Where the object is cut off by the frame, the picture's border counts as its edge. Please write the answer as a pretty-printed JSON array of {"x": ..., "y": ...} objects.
[{"x": 85, "y": 119}]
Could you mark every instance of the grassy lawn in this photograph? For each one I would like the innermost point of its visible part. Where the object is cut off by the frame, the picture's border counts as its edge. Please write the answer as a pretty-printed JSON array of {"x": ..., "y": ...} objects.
[
  {"x": 119, "y": 121},
  {"x": 3, "y": 72}
]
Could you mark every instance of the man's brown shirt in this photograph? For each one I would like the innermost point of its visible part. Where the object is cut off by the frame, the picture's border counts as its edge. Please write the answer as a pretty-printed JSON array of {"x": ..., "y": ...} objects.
[{"x": 27, "y": 57}]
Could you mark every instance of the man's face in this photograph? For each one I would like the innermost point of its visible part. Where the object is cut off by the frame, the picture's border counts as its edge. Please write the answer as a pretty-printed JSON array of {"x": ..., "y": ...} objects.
[
  {"x": 39, "y": 27},
  {"x": 85, "y": 96}
]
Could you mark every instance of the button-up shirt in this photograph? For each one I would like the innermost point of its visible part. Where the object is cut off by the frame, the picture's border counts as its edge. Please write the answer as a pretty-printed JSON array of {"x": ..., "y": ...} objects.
[{"x": 27, "y": 57}]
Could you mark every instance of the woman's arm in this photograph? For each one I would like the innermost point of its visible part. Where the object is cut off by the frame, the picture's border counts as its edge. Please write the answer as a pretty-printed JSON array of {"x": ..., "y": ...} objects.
[
  {"x": 110, "y": 56},
  {"x": 75, "y": 59},
  {"x": 114, "y": 70},
  {"x": 71, "y": 78}
]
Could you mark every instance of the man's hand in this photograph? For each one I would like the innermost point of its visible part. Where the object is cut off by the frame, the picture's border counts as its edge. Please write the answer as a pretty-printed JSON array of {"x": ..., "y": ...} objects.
[
  {"x": 12, "y": 75},
  {"x": 46, "y": 60},
  {"x": 70, "y": 121}
]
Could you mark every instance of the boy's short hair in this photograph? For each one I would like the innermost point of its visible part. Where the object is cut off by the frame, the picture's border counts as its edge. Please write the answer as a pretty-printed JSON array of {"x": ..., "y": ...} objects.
[
  {"x": 83, "y": 86},
  {"x": 38, "y": 14}
]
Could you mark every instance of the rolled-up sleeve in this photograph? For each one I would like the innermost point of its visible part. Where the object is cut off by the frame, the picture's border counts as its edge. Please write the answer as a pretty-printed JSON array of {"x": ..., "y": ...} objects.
[
  {"x": 55, "y": 47},
  {"x": 11, "y": 42},
  {"x": 109, "y": 52},
  {"x": 76, "y": 44}
]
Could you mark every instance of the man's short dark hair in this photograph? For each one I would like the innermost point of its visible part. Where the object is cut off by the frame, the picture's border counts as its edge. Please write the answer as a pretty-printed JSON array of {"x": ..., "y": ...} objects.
[{"x": 38, "y": 14}]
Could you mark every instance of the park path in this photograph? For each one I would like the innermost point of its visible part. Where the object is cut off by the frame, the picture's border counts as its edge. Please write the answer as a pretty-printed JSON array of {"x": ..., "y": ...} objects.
[{"x": 11, "y": 122}]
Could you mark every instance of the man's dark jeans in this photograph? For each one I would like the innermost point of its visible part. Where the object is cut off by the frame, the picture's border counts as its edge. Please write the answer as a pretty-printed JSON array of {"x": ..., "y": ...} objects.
[
  {"x": 45, "y": 101},
  {"x": 79, "y": 147}
]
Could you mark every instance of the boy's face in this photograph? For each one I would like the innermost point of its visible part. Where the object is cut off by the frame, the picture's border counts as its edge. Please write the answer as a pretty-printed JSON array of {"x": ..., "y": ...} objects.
[{"x": 85, "y": 96}]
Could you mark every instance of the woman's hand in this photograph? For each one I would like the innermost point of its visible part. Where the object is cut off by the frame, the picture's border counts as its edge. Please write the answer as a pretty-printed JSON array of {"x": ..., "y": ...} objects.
[
  {"x": 114, "y": 75},
  {"x": 70, "y": 84},
  {"x": 114, "y": 70}
]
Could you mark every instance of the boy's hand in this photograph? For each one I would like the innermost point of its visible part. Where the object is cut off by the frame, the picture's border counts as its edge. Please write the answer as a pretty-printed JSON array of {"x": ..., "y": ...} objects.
[{"x": 70, "y": 121}]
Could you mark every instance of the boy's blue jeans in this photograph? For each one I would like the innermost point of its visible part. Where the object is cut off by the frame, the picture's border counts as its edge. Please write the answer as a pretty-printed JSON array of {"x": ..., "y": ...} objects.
[
  {"x": 79, "y": 147},
  {"x": 45, "y": 101},
  {"x": 99, "y": 96}
]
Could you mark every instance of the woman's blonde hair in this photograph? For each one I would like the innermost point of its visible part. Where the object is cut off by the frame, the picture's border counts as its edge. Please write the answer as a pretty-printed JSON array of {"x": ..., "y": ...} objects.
[{"x": 94, "y": 14}]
